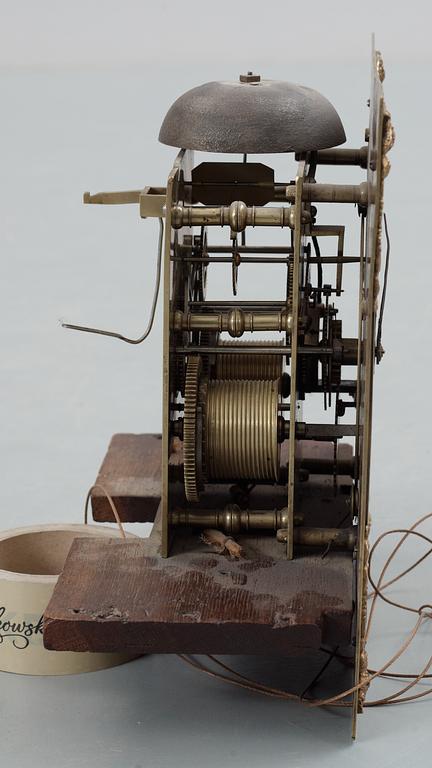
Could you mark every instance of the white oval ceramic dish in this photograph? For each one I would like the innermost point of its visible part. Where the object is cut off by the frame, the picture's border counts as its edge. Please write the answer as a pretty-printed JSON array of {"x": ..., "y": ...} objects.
[{"x": 30, "y": 560}]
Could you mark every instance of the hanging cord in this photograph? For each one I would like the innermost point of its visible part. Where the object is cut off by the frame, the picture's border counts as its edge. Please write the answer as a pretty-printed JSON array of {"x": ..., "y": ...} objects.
[
  {"x": 110, "y": 502},
  {"x": 424, "y": 613},
  {"x": 120, "y": 336}
]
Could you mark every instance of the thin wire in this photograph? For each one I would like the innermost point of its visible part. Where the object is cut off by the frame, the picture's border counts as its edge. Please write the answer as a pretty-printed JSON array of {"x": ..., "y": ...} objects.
[
  {"x": 320, "y": 673},
  {"x": 394, "y": 696},
  {"x": 343, "y": 695},
  {"x": 376, "y": 587},
  {"x": 110, "y": 502},
  {"x": 377, "y": 593},
  {"x": 383, "y": 295},
  {"x": 339, "y": 700},
  {"x": 245, "y": 682},
  {"x": 114, "y": 334}
]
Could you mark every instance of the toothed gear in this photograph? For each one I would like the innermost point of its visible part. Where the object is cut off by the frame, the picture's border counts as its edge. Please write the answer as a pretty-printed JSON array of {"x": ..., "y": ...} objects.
[{"x": 193, "y": 371}]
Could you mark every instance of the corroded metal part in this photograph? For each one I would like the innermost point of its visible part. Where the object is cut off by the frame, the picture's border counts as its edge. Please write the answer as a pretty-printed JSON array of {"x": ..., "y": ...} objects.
[
  {"x": 232, "y": 519},
  {"x": 252, "y": 117},
  {"x": 339, "y": 538}
]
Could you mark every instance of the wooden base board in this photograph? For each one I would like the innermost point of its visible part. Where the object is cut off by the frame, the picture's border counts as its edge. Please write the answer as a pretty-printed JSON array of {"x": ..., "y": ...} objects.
[
  {"x": 121, "y": 595},
  {"x": 117, "y": 595}
]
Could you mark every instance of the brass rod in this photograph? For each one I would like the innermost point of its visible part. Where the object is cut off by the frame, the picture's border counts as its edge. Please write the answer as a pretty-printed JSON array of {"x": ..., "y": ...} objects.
[
  {"x": 260, "y": 249},
  {"x": 315, "y": 466},
  {"x": 335, "y": 538},
  {"x": 248, "y": 184},
  {"x": 334, "y": 260},
  {"x": 318, "y": 466},
  {"x": 228, "y": 304},
  {"x": 346, "y": 386},
  {"x": 268, "y": 260},
  {"x": 237, "y": 216},
  {"x": 240, "y": 249},
  {"x": 236, "y": 322},
  {"x": 331, "y": 193},
  {"x": 306, "y": 431},
  {"x": 249, "y": 249},
  {"x": 234, "y": 520},
  {"x": 342, "y": 156},
  {"x": 228, "y": 259},
  {"x": 204, "y": 350}
]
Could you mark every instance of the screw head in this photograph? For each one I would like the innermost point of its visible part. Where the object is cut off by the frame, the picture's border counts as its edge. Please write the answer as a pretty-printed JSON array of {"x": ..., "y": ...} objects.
[{"x": 250, "y": 78}]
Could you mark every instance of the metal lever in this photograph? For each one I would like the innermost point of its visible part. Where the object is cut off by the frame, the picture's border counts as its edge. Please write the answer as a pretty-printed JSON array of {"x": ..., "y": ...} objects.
[{"x": 151, "y": 200}]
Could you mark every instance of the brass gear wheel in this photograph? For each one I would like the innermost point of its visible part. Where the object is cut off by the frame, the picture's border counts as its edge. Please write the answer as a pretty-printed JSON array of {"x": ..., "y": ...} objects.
[{"x": 193, "y": 372}]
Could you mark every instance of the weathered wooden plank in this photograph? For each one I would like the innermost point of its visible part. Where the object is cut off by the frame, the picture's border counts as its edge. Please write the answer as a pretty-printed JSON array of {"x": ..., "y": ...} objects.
[
  {"x": 131, "y": 473},
  {"x": 116, "y": 595}
]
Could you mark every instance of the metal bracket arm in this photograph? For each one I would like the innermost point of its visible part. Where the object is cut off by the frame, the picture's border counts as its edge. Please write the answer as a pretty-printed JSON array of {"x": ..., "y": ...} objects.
[{"x": 151, "y": 200}]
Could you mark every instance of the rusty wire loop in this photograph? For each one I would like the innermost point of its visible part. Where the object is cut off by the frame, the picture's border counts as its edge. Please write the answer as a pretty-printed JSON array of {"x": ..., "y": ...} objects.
[
  {"x": 115, "y": 334},
  {"x": 424, "y": 613}
]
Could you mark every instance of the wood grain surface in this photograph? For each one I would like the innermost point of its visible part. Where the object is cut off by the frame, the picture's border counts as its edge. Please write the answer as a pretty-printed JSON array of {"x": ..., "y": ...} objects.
[
  {"x": 116, "y": 595},
  {"x": 131, "y": 473}
]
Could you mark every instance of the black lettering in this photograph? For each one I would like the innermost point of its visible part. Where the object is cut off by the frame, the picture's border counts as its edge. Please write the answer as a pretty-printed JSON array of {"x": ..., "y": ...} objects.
[
  {"x": 38, "y": 629},
  {"x": 18, "y": 629}
]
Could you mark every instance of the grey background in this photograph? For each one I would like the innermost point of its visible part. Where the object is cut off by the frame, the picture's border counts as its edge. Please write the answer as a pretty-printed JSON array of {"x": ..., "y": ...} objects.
[{"x": 83, "y": 89}]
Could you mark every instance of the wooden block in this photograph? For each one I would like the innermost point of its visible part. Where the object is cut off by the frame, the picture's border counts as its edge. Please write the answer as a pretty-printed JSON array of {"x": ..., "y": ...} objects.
[
  {"x": 131, "y": 473},
  {"x": 115, "y": 595}
]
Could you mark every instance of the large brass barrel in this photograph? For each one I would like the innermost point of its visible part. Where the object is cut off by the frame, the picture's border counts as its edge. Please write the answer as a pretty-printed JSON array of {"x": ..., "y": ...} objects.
[{"x": 241, "y": 430}]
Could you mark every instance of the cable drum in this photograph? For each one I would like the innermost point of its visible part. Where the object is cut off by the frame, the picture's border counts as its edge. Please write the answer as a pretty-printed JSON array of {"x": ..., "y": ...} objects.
[
  {"x": 252, "y": 367},
  {"x": 241, "y": 430}
]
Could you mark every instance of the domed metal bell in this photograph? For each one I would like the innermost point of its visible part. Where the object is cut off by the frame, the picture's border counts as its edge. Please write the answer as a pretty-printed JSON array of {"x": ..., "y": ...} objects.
[{"x": 252, "y": 116}]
